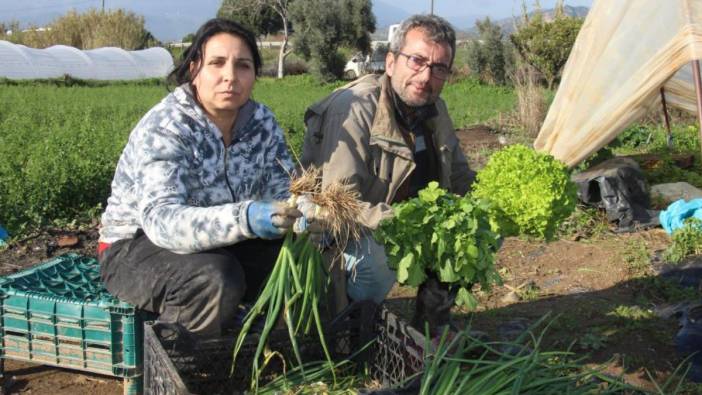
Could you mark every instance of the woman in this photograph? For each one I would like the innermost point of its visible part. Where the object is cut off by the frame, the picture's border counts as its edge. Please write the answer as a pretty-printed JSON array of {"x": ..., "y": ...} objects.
[{"x": 197, "y": 197}]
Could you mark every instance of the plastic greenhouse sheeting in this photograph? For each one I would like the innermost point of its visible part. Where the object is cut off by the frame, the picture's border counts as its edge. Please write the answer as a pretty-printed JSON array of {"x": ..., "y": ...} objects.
[
  {"x": 625, "y": 52},
  {"x": 21, "y": 62}
]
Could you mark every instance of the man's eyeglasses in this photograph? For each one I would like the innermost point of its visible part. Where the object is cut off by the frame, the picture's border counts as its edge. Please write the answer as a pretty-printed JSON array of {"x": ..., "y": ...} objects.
[{"x": 417, "y": 63}]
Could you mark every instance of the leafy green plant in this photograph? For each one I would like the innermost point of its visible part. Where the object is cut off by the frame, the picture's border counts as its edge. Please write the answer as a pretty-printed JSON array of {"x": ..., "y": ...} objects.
[
  {"x": 530, "y": 192},
  {"x": 444, "y": 234},
  {"x": 592, "y": 341},
  {"x": 530, "y": 292},
  {"x": 636, "y": 256},
  {"x": 686, "y": 241},
  {"x": 631, "y": 313}
]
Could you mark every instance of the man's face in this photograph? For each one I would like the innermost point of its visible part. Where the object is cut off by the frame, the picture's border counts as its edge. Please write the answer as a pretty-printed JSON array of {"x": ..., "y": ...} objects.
[{"x": 417, "y": 87}]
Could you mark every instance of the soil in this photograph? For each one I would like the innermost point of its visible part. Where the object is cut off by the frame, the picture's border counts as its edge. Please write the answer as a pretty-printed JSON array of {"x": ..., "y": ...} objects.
[{"x": 599, "y": 293}]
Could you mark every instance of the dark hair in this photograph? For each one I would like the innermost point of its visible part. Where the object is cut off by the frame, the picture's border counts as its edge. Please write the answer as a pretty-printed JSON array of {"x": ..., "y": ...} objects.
[
  {"x": 181, "y": 73},
  {"x": 438, "y": 29}
]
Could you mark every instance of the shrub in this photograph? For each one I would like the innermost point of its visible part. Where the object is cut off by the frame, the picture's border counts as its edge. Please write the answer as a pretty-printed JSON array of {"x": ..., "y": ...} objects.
[
  {"x": 687, "y": 241},
  {"x": 92, "y": 29},
  {"x": 546, "y": 45},
  {"x": 530, "y": 192}
]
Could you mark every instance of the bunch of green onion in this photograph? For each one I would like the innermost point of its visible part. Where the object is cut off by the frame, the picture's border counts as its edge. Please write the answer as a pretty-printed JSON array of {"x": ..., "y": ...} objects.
[
  {"x": 294, "y": 288},
  {"x": 298, "y": 280},
  {"x": 468, "y": 365}
]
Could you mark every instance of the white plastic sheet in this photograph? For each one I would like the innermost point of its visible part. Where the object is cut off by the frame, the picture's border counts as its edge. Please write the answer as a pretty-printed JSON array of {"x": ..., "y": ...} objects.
[
  {"x": 21, "y": 62},
  {"x": 625, "y": 52}
]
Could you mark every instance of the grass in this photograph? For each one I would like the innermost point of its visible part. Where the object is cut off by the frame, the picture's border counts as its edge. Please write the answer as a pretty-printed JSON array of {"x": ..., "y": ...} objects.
[
  {"x": 60, "y": 139},
  {"x": 470, "y": 102}
]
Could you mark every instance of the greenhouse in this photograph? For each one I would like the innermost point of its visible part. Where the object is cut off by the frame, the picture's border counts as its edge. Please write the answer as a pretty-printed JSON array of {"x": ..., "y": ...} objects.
[{"x": 21, "y": 62}]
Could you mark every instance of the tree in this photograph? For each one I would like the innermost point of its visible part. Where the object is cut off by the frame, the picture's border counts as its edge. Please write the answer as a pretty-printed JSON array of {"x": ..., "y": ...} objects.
[
  {"x": 546, "y": 45},
  {"x": 486, "y": 55},
  {"x": 321, "y": 26},
  {"x": 262, "y": 17},
  {"x": 188, "y": 38},
  {"x": 255, "y": 15}
]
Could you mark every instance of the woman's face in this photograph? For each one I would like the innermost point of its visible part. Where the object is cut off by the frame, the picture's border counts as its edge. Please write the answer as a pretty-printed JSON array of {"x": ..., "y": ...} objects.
[{"x": 226, "y": 76}]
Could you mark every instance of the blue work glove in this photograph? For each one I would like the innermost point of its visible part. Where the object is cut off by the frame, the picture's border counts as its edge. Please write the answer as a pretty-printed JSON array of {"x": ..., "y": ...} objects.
[{"x": 271, "y": 219}]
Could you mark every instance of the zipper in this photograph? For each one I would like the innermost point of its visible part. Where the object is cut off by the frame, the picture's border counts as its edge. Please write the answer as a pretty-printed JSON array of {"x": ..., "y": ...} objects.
[
  {"x": 392, "y": 194},
  {"x": 226, "y": 176}
]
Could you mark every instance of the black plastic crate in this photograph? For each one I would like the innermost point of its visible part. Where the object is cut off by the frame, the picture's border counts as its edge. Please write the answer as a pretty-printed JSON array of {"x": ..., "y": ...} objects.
[{"x": 395, "y": 355}]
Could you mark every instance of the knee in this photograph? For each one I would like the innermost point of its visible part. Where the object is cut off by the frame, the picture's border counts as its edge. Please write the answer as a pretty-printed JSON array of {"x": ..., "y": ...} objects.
[
  {"x": 374, "y": 285},
  {"x": 369, "y": 277},
  {"x": 223, "y": 280}
]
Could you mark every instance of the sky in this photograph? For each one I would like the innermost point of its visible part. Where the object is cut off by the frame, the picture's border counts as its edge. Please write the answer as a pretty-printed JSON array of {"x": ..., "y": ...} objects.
[{"x": 171, "y": 20}]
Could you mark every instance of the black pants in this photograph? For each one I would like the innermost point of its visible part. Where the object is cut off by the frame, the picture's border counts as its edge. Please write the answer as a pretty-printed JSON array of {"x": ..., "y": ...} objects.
[{"x": 200, "y": 291}]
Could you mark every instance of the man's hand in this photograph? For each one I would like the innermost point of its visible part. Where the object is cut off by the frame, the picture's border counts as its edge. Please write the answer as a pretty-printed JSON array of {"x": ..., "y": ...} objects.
[
  {"x": 313, "y": 220},
  {"x": 271, "y": 219}
]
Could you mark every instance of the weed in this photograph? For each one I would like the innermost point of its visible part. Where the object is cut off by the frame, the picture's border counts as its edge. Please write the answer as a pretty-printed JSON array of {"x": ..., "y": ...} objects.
[
  {"x": 636, "y": 256},
  {"x": 631, "y": 313},
  {"x": 529, "y": 292},
  {"x": 592, "y": 340},
  {"x": 657, "y": 290},
  {"x": 584, "y": 223},
  {"x": 686, "y": 241}
]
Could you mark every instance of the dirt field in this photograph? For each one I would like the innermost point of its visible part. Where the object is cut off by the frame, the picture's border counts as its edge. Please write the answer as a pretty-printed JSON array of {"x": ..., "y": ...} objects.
[{"x": 601, "y": 295}]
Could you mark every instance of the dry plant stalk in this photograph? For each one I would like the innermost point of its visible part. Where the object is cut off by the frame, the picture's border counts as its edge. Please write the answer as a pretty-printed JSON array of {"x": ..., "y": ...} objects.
[
  {"x": 307, "y": 182},
  {"x": 531, "y": 105}
]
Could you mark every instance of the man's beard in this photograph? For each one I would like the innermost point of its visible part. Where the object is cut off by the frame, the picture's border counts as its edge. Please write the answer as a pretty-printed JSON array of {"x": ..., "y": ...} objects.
[{"x": 416, "y": 101}]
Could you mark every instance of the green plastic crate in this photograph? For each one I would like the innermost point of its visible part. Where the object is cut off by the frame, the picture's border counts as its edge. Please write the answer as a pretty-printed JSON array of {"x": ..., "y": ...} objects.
[{"x": 59, "y": 313}]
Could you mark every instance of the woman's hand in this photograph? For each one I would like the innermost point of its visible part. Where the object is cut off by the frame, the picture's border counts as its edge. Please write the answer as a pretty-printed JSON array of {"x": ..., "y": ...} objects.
[
  {"x": 271, "y": 219},
  {"x": 312, "y": 221}
]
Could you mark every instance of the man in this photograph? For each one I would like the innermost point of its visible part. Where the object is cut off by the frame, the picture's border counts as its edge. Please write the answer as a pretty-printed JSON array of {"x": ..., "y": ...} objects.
[{"x": 388, "y": 136}]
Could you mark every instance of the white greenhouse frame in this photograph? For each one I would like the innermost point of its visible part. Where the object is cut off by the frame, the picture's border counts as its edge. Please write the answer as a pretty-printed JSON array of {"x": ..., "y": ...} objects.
[{"x": 19, "y": 62}]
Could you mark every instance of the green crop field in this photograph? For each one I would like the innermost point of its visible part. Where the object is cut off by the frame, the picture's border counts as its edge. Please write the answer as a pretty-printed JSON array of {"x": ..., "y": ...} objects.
[{"x": 59, "y": 144}]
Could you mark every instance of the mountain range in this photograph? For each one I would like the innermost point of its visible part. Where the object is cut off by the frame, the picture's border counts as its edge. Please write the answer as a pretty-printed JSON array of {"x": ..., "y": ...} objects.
[
  {"x": 508, "y": 24},
  {"x": 170, "y": 21}
]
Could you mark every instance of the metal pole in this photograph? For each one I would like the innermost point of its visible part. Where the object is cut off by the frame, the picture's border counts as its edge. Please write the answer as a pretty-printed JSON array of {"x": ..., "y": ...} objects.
[
  {"x": 666, "y": 117},
  {"x": 698, "y": 90},
  {"x": 103, "y": 6},
  {"x": 432, "y": 7}
]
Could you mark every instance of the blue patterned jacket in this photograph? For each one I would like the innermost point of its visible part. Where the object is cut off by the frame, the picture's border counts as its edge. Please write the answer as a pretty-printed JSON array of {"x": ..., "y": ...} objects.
[{"x": 176, "y": 180}]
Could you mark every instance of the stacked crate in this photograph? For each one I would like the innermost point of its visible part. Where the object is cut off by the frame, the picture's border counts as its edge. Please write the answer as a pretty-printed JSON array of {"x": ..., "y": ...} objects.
[{"x": 58, "y": 313}]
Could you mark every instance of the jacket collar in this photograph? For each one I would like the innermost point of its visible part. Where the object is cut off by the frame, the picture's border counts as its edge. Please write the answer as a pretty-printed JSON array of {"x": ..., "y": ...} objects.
[{"x": 385, "y": 126}]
